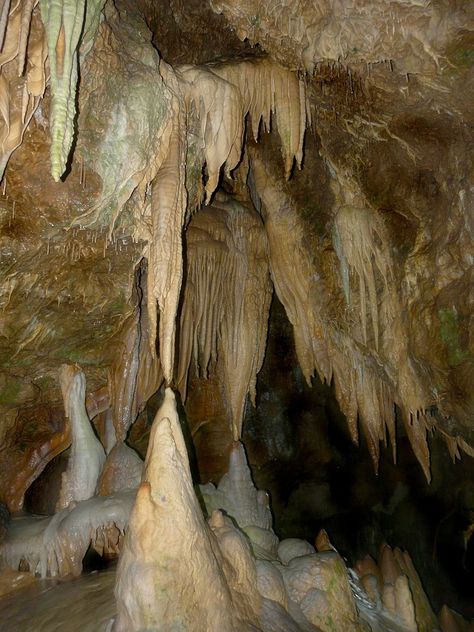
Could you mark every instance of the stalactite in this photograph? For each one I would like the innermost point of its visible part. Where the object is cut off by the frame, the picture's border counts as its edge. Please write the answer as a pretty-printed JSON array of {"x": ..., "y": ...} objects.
[
  {"x": 221, "y": 120},
  {"x": 224, "y": 93},
  {"x": 136, "y": 373},
  {"x": 164, "y": 253},
  {"x": 270, "y": 89},
  {"x": 369, "y": 378},
  {"x": 20, "y": 95},
  {"x": 215, "y": 111},
  {"x": 66, "y": 22},
  {"x": 362, "y": 246},
  {"x": 357, "y": 233},
  {"x": 26, "y": 13},
  {"x": 290, "y": 267},
  {"x": 226, "y": 300}
]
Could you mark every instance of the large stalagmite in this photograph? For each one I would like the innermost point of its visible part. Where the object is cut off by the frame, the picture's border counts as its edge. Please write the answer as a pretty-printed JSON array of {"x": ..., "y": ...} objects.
[
  {"x": 179, "y": 572},
  {"x": 169, "y": 551}
]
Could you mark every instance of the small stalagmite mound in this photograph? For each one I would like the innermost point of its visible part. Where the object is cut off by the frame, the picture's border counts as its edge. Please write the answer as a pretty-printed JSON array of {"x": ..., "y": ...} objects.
[{"x": 122, "y": 470}]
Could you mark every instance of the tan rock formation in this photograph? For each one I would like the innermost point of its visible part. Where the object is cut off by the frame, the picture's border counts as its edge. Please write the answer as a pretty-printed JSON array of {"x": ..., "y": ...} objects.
[
  {"x": 170, "y": 552},
  {"x": 122, "y": 470},
  {"x": 341, "y": 134},
  {"x": 226, "y": 303}
]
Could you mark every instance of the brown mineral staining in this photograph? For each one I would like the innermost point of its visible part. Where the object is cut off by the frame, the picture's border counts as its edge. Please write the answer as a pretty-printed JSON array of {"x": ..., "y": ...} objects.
[{"x": 234, "y": 185}]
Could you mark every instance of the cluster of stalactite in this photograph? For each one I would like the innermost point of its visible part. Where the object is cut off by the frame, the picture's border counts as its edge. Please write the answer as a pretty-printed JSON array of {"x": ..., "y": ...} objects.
[
  {"x": 226, "y": 301},
  {"x": 203, "y": 115},
  {"x": 411, "y": 33}
]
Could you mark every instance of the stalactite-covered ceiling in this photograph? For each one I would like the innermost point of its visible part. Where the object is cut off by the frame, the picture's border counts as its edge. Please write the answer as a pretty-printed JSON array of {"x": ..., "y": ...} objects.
[
  {"x": 167, "y": 166},
  {"x": 251, "y": 220}
]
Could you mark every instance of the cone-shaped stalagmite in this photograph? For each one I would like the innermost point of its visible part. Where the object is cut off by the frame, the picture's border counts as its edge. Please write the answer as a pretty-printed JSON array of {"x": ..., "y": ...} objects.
[{"x": 169, "y": 552}]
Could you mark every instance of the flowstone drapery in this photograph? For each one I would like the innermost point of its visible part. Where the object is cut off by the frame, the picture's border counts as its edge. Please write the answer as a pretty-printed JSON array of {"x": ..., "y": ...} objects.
[{"x": 226, "y": 303}]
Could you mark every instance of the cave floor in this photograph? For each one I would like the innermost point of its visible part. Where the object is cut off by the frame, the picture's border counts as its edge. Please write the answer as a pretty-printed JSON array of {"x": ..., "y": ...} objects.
[
  {"x": 87, "y": 604},
  {"x": 83, "y": 604}
]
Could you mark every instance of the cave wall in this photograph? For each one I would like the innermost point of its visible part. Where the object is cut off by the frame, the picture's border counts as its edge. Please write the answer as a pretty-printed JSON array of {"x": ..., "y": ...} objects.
[{"x": 368, "y": 246}]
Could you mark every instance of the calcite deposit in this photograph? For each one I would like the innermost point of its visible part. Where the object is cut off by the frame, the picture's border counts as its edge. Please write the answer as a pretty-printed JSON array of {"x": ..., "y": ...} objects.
[{"x": 229, "y": 223}]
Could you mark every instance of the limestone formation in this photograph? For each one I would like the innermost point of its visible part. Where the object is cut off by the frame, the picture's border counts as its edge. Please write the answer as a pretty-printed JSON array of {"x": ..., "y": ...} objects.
[
  {"x": 263, "y": 202},
  {"x": 56, "y": 546},
  {"x": 122, "y": 470},
  {"x": 244, "y": 586},
  {"x": 87, "y": 456},
  {"x": 170, "y": 552}
]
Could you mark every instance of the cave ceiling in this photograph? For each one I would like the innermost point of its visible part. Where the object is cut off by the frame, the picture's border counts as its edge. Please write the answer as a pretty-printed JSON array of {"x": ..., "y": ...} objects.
[{"x": 329, "y": 144}]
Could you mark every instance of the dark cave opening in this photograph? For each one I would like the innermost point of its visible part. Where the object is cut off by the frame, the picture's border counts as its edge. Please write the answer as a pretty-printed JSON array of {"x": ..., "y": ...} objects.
[{"x": 300, "y": 450}]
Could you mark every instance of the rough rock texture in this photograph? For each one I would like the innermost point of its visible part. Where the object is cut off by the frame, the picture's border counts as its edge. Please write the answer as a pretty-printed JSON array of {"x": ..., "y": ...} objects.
[
  {"x": 37, "y": 435},
  {"x": 413, "y": 35},
  {"x": 319, "y": 585},
  {"x": 369, "y": 245}
]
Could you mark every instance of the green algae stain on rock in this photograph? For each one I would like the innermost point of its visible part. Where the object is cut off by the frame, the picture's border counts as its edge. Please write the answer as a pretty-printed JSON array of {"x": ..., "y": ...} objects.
[{"x": 449, "y": 331}]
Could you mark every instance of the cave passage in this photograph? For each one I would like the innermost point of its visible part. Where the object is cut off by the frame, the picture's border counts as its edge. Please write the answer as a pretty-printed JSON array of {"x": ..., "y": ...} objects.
[{"x": 236, "y": 298}]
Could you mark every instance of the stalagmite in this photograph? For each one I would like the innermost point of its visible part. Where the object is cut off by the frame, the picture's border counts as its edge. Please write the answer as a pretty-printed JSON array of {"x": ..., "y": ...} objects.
[
  {"x": 395, "y": 584},
  {"x": 247, "y": 506},
  {"x": 122, "y": 470},
  {"x": 451, "y": 621},
  {"x": 425, "y": 617},
  {"x": 169, "y": 551},
  {"x": 201, "y": 577},
  {"x": 319, "y": 585},
  {"x": 87, "y": 454}
]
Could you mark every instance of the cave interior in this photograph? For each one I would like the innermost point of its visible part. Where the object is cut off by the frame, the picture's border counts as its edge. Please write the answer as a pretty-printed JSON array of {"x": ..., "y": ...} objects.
[{"x": 237, "y": 324}]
